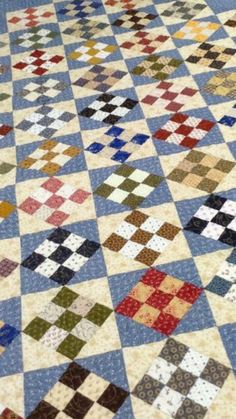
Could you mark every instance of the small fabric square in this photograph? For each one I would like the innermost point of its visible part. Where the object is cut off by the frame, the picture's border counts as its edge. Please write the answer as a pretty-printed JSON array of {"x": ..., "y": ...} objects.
[
  {"x": 7, "y": 334},
  {"x": 4, "y": 130},
  {"x": 5, "y": 412},
  {"x": 38, "y": 62},
  {"x": 157, "y": 67},
  {"x": 7, "y": 266},
  {"x": 231, "y": 21},
  {"x": 143, "y": 305},
  {"x": 229, "y": 119},
  {"x": 61, "y": 255},
  {"x": 6, "y": 209},
  {"x": 60, "y": 328}
]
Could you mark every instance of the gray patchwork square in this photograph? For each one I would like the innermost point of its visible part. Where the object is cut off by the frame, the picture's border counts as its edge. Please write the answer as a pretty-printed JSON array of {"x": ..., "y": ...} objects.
[
  {"x": 42, "y": 90},
  {"x": 45, "y": 121},
  {"x": 148, "y": 389},
  {"x": 184, "y": 9}
]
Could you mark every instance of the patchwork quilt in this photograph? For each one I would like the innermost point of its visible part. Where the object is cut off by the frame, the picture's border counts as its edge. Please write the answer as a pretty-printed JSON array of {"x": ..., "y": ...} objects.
[{"x": 117, "y": 209}]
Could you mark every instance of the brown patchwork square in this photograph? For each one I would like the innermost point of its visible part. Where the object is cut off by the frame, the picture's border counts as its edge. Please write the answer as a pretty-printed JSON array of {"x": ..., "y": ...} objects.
[
  {"x": 210, "y": 55},
  {"x": 205, "y": 172},
  {"x": 223, "y": 83},
  {"x": 141, "y": 237}
]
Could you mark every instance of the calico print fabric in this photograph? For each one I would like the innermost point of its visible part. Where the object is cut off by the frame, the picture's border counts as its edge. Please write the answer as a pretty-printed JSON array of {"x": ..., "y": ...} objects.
[{"x": 117, "y": 209}]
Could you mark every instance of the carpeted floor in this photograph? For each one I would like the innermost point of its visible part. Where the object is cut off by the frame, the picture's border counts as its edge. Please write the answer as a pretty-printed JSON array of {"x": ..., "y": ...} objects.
[{"x": 117, "y": 209}]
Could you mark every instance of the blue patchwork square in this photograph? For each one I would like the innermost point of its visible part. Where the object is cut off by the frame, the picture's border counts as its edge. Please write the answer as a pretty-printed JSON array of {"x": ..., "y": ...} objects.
[
  {"x": 7, "y": 334},
  {"x": 117, "y": 144},
  {"x": 229, "y": 119}
]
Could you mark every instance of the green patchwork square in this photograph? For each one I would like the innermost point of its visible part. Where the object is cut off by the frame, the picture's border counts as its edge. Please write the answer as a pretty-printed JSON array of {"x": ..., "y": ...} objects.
[
  {"x": 68, "y": 320},
  {"x": 153, "y": 180},
  {"x": 104, "y": 190},
  {"x": 71, "y": 346},
  {"x": 65, "y": 297},
  {"x": 4, "y": 96},
  {"x": 128, "y": 185},
  {"x": 133, "y": 201},
  {"x": 98, "y": 314},
  {"x": 125, "y": 170},
  {"x": 37, "y": 328},
  {"x": 5, "y": 167}
]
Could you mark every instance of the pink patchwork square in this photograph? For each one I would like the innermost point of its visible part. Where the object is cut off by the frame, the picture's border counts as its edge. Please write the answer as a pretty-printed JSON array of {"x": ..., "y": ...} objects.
[
  {"x": 79, "y": 196},
  {"x": 52, "y": 184},
  {"x": 169, "y": 96},
  {"x": 54, "y": 201}
]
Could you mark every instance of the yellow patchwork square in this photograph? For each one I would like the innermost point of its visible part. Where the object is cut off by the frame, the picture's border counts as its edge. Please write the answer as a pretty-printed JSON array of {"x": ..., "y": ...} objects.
[
  {"x": 93, "y": 386},
  {"x": 196, "y": 30},
  {"x": 59, "y": 396},
  {"x": 177, "y": 308},
  {"x": 171, "y": 285},
  {"x": 6, "y": 208},
  {"x": 141, "y": 292},
  {"x": 146, "y": 315}
]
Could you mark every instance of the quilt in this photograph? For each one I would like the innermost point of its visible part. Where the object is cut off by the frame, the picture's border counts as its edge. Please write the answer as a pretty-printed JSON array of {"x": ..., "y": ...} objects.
[{"x": 117, "y": 209}]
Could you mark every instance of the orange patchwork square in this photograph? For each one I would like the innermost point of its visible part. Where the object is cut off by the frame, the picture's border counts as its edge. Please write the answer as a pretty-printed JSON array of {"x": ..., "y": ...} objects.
[
  {"x": 197, "y": 31},
  {"x": 6, "y": 208}
]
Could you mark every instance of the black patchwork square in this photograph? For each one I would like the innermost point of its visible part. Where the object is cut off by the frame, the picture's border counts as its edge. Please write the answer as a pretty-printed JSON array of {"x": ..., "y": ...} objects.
[
  {"x": 215, "y": 219},
  {"x": 109, "y": 108},
  {"x": 61, "y": 255}
]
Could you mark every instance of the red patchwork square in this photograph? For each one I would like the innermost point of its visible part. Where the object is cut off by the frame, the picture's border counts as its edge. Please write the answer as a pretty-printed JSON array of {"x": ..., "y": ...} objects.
[
  {"x": 184, "y": 130},
  {"x": 41, "y": 64},
  {"x": 159, "y": 301},
  {"x": 144, "y": 42},
  {"x": 169, "y": 96},
  {"x": 165, "y": 323},
  {"x": 153, "y": 277},
  {"x": 4, "y": 130},
  {"x": 189, "y": 293},
  {"x": 128, "y": 307}
]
